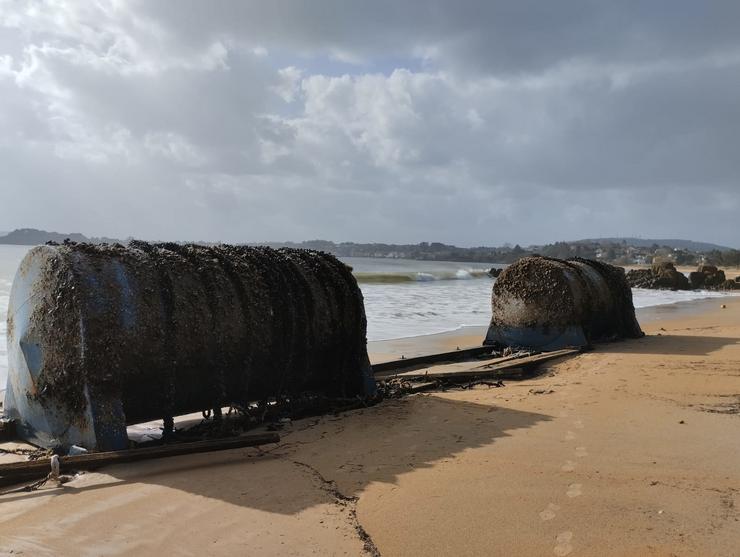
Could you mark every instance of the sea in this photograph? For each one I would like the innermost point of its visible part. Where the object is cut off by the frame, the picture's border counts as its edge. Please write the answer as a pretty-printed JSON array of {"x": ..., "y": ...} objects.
[{"x": 403, "y": 298}]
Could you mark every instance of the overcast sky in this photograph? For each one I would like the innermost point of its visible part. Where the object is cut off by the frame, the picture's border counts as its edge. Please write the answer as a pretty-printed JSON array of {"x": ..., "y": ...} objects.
[{"x": 474, "y": 123}]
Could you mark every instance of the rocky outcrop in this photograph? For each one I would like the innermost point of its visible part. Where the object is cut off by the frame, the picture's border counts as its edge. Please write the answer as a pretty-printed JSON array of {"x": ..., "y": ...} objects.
[
  {"x": 660, "y": 276},
  {"x": 665, "y": 276},
  {"x": 728, "y": 285},
  {"x": 696, "y": 279},
  {"x": 713, "y": 277},
  {"x": 641, "y": 278}
]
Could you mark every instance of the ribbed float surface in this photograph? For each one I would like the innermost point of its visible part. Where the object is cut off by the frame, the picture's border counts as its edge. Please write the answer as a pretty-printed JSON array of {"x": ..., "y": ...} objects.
[{"x": 100, "y": 336}]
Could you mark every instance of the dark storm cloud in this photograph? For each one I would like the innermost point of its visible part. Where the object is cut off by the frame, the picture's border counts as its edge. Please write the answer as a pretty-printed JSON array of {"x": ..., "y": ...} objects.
[
  {"x": 527, "y": 35},
  {"x": 467, "y": 122}
]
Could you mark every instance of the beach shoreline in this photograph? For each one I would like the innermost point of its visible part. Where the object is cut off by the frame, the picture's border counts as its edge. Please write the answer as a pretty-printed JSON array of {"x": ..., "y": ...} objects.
[
  {"x": 628, "y": 449},
  {"x": 473, "y": 335}
]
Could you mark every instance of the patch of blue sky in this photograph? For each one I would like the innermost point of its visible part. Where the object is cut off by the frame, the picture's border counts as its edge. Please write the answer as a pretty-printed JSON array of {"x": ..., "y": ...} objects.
[{"x": 338, "y": 64}]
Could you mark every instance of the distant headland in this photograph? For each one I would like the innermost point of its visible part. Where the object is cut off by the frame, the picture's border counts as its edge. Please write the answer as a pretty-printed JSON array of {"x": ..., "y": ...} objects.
[
  {"x": 35, "y": 237},
  {"x": 621, "y": 251}
]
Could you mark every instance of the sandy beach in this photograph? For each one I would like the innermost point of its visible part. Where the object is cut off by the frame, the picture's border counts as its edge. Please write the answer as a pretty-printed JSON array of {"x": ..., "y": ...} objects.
[
  {"x": 630, "y": 449},
  {"x": 369, "y": 279}
]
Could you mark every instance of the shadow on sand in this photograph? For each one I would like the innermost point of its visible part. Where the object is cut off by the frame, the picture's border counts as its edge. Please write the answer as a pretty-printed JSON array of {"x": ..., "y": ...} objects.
[
  {"x": 344, "y": 453},
  {"x": 669, "y": 344}
]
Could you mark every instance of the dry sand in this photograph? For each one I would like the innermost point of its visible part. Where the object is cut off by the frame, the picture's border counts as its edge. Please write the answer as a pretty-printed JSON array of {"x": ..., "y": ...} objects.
[{"x": 631, "y": 449}]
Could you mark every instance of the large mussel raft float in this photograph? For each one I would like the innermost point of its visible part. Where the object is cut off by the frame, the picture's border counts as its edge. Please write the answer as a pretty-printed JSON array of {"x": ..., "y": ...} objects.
[
  {"x": 102, "y": 336},
  {"x": 549, "y": 304}
]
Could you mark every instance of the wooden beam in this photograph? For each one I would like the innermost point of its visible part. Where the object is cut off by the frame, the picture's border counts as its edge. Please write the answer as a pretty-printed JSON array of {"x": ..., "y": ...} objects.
[
  {"x": 464, "y": 370},
  {"x": 387, "y": 368},
  {"x": 90, "y": 461}
]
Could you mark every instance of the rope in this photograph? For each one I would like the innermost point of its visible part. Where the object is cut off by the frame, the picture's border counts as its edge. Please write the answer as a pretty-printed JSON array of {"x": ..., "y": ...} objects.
[{"x": 53, "y": 475}]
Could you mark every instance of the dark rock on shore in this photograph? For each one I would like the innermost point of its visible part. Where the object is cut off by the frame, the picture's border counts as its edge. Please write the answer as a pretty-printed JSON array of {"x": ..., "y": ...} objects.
[
  {"x": 696, "y": 279},
  {"x": 729, "y": 285},
  {"x": 640, "y": 278},
  {"x": 708, "y": 276},
  {"x": 713, "y": 277},
  {"x": 660, "y": 276},
  {"x": 665, "y": 276}
]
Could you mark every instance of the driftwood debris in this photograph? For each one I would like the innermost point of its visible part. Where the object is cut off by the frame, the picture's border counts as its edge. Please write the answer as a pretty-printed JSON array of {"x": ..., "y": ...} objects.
[
  {"x": 39, "y": 468},
  {"x": 508, "y": 365},
  {"x": 390, "y": 368}
]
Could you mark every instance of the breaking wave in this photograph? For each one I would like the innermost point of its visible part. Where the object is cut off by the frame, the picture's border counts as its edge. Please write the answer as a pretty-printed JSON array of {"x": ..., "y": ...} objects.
[{"x": 401, "y": 277}]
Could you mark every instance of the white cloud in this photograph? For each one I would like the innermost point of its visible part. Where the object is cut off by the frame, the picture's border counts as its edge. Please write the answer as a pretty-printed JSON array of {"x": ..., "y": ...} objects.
[
  {"x": 175, "y": 148},
  {"x": 281, "y": 120},
  {"x": 288, "y": 87}
]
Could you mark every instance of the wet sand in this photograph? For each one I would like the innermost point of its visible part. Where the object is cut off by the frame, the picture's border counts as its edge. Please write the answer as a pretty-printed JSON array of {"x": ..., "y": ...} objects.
[{"x": 630, "y": 449}]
